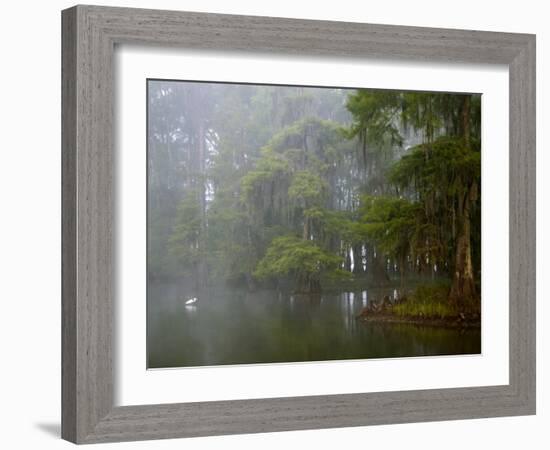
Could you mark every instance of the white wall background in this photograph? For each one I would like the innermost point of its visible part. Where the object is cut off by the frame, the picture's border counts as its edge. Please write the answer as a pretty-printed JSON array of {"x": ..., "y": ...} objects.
[{"x": 31, "y": 209}]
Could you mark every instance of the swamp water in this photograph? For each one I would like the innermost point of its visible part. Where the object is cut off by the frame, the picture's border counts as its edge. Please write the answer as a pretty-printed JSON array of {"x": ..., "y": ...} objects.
[{"x": 233, "y": 326}]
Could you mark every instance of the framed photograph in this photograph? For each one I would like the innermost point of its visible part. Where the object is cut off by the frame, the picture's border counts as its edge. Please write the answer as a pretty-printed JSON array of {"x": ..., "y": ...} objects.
[{"x": 278, "y": 224}]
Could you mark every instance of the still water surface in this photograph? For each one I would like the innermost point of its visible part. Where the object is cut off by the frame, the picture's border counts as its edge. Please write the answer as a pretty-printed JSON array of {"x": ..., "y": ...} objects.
[{"x": 232, "y": 326}]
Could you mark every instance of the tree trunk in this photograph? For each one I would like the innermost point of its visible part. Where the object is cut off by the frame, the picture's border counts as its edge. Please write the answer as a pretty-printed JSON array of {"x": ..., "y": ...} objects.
[
  {"x": 376, "y": 267},
  {"x": 308, "y": 284},
  {"x": 201, "y": 186},
  {"x": 305, "y": 233},
  {"x": 347, "y": 258},
  {"x": 401, "y": 272},
  {"x": 463, "y": 287},
  {"x": 357, "y": 259}
]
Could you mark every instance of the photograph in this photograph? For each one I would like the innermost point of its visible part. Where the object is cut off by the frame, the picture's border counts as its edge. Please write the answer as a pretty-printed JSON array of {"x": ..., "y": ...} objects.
[{"x": 295, "y": 223}]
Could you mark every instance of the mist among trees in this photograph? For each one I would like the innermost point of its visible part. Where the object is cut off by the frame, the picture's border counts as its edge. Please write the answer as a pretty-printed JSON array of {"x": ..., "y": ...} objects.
[{"x": 304, "y": 190}]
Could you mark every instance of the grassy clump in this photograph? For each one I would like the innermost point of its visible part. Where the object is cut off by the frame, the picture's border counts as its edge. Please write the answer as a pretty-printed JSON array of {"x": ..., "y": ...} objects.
[{"x": 427, "y": 302}]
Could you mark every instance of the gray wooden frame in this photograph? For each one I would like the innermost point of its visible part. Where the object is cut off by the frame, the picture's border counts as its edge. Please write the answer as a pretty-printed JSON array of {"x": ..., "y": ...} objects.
[{"x": 89, "y": 36}]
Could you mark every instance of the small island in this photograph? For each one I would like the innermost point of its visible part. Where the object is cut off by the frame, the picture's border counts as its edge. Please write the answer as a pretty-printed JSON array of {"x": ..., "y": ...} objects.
[{"x": 426, "y": 306}]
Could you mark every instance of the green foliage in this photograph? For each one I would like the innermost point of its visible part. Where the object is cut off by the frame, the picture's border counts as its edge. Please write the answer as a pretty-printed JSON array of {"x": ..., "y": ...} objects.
[
  {"x": 424, "y": 111},
  {"x": 229, "y": 259},
  {"x": 389, "y": 223},
  {"x": 427, "y": 302},
  {"x": 381, "y": 117},
  {"x": 375, "y": 117},
  {"x": 446, "y": 166},
  {"x": 184, "y": 243},
  {"x": 160, "y": 261},
  {"x": 292, "y": 136},
  {"x": 270, "y": 168},
  {"x": 307, "y": 188},
  {"x": 265, "y": 189},
  {"x": 439, "y": 176},
  {"x": 292, "y": 256},
  {"x": 330, "y": 225}
]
